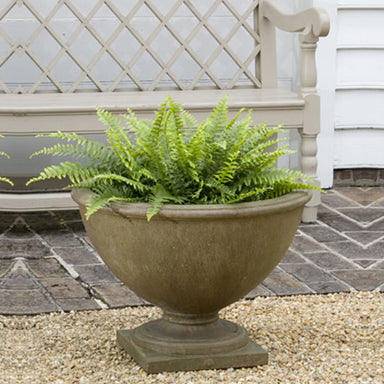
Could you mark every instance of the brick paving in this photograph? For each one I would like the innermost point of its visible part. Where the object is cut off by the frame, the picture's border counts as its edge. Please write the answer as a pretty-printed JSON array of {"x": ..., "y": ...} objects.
[{"x": 47, "y": 262}]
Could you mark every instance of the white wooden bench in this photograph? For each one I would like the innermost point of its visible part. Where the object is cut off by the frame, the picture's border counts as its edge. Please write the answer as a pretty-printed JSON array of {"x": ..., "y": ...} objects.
[{"x": 248, "y": 45}]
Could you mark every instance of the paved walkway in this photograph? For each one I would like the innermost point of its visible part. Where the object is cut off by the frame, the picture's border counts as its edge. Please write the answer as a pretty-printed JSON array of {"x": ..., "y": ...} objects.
[{"x": 47, "y": 262}]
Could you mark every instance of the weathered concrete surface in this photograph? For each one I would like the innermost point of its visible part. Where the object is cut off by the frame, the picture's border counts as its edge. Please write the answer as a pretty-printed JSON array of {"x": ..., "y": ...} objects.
[{"x": 47, "y": 262}]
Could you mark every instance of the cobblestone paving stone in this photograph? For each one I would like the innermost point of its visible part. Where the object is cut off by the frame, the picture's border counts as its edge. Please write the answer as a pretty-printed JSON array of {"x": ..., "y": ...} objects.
[{"x": 47, "y": 262}]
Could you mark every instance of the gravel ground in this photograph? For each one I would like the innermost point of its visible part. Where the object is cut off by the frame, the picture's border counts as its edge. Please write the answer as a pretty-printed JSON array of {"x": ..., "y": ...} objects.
[{"x": 326, "y": 339}]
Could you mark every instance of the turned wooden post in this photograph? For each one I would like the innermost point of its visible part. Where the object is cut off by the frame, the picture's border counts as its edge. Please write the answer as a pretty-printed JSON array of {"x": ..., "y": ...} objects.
[{"x": 311, "y": 23}]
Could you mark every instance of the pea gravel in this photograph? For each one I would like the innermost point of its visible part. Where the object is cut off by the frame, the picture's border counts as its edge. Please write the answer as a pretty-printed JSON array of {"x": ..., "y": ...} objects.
[{"x": 330, "y": 339}]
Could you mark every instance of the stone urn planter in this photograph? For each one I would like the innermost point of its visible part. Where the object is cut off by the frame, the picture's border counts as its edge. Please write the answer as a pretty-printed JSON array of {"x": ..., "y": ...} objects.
[{"x": 192, "y": 261}]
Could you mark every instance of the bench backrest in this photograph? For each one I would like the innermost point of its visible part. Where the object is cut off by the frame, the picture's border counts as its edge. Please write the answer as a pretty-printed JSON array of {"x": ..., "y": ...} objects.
[{"x": 126, "y": 45}]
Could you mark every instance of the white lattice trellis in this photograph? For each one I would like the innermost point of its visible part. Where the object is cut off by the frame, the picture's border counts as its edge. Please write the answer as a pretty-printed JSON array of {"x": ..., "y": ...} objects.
[{"x": 113, "y": 45}]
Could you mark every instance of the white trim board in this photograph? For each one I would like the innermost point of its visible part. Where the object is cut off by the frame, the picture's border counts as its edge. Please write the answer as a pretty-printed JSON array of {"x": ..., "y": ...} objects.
[
  {"x": 326, "y": 66},
  {"x": 364, "y": 7},
  {"x": 360, "y": 4}
]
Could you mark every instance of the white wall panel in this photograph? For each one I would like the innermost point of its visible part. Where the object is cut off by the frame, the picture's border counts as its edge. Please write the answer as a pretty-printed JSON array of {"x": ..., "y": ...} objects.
[
  {"x": 359, "y": 27},
  {"x": 359, "y": 116},
  {"x": 354, "y": 148},
  {"x": 360, "y": 67},
  {"x": 360, "y": 109}
]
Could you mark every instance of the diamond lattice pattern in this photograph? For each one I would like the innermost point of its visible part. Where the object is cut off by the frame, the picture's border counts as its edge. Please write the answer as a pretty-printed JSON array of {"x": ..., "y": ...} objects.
[{"x": 115, "y": 45}]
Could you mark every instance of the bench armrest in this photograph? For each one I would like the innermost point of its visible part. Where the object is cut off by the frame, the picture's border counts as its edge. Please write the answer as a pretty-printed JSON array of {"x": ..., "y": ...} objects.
[{"x": 311, "y": 23}]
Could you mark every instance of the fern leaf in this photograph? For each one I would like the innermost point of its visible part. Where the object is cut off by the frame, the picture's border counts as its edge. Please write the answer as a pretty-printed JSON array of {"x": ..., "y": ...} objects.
[
  {"x": 76, "y": 172},
  {"x": 94, "y": 151},
  {"x": 96, "y": 202},
  {"x": 68, "y": 136},
  {"x": 120, "y": 142},
  {"x": 6, "y": 180},
  {"x": 219, "y": 116},
  {"x": 159, "y": 197},
  {"x": 121, "y": 179},
  {"x": 174, "y": 159},
  {"x": 227, "y": 172}
]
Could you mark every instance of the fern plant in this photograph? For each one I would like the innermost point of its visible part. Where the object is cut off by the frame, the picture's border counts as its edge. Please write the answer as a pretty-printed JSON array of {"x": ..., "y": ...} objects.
[
  {"x": 5, "y": 179},
  {"x": 175, "y": 159}
]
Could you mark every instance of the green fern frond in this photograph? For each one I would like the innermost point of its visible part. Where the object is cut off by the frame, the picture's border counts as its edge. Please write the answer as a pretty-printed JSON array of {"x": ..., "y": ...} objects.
[
  {"x": 119, "y": 139},
  {"x": 216, "y": 192},
  {"x": 6, "y": 180},
  {"x": 108, "y": 118},
  {"x": 253, "y": 195},
  {"x": 76, "y": 173},
  {"x": 159, "y": 197},
  {"x": 260, "y": 161},
  {"x": 173, "y": 159},
  {"x": 196, "y": 146},
  {"x": 137, "y": 186},
  {"x": 67, "y": 136},
  {"x": 93, "y": 151},
  {"x": 218, "y": 119},
  {"x": 190, "y": 122},
  {"x": 228, "y": 171},
  {"x": 96, "y": 202}
]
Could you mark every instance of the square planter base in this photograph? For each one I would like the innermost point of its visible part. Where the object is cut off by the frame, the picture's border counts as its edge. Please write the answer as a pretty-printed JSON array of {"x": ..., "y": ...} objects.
[{"x": 154, "y": 362}]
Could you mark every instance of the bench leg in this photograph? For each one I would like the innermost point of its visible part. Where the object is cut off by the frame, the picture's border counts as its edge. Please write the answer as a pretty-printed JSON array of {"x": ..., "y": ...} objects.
[
  {"x": 309, "y": 167},
  {"x": 310, "y": 209}
]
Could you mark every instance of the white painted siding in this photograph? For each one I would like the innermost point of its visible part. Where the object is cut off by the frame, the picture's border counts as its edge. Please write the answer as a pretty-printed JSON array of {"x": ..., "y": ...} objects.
[
  {"x": 351, "y": 143},
  {"x": 360, "y": 67},
  {"x": 359, "y": 107},
  {"x": 359, "y": 102}
]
